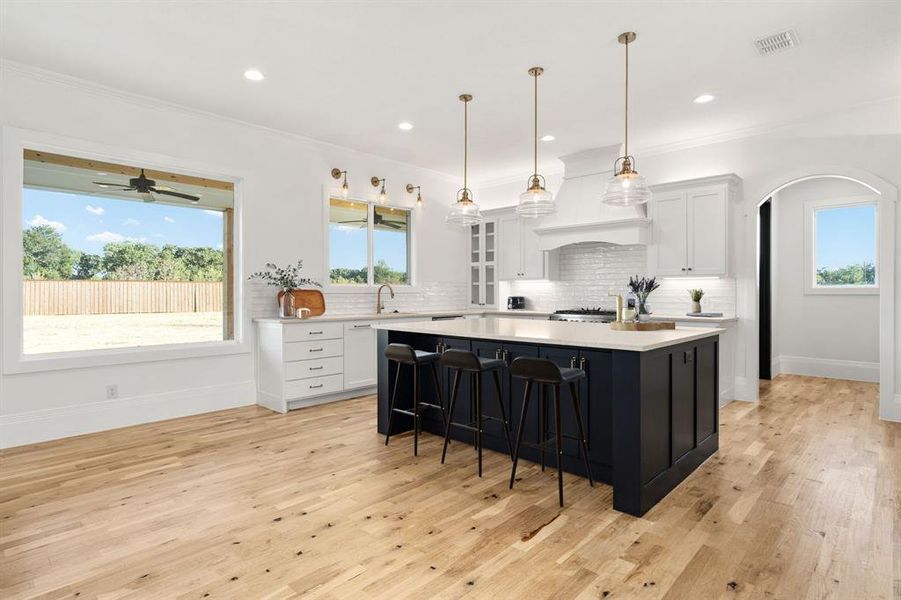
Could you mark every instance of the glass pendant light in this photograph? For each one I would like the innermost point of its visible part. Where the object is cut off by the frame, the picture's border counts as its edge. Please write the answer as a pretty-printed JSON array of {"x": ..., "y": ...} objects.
[
  {"x": 465, "y": 211},
  {"x": 536, "y": 201},
  {"x": 626, "y": 187}
]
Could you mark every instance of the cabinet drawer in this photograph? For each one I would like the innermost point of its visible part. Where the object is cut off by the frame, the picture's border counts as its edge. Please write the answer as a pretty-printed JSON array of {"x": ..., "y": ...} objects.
[
  {"x": 312, "y": 331},
  {"x": 303, "y": 369},
  {"x": 305, "y": 388},
  {"x": 311, "y": 350}
]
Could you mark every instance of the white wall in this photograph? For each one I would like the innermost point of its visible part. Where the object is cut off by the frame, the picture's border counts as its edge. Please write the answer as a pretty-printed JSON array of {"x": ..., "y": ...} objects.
[
  {"x": 283, "y": 179},
  {"x": 822, "y": 335}
]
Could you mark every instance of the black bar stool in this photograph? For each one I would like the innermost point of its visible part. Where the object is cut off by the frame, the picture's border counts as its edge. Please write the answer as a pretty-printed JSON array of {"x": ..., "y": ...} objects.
[
  {"x": 546, "y": 373},
  {"x": 403, "y": 354},
  {"x": 463, "y": 361}
]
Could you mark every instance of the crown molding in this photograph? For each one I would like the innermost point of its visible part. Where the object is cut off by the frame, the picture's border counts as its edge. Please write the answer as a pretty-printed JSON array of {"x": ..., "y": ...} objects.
[{"x": 150, "y": 102}]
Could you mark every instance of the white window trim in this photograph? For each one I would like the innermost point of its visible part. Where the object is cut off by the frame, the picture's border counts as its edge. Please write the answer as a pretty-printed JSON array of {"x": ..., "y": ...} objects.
[
  {"x": 14, "y": 142},
  {"x": 369, "y": 287},
  {"x": 810, "y": 285}
]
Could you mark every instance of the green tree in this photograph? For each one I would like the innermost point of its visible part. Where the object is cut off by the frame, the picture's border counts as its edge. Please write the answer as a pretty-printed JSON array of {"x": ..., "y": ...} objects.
[
  {"x": 201, "y": 264},
  {"x": 130, "y": 260},
  {"x": 46, "y": 255},
  {"x": 382, "y": 273},
  {"x": 858, "y": 274},
  {"x": 343, "y": 275},
  {"x": 88, "y": 266}
]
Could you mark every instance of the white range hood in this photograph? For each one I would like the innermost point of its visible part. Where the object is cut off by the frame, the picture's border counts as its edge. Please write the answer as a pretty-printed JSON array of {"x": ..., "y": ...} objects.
[{"x": 581, "y": 216}]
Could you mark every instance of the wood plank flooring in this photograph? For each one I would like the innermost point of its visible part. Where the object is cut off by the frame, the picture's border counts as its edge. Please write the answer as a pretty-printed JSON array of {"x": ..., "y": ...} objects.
[{"x": 801, "y": 501}]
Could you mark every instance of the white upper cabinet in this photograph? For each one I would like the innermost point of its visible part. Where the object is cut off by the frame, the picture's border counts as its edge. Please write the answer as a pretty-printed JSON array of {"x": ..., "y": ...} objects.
[
  {"x": 518, "y": 253},
  {"x": 690, "y": 227},
  {"x": 483, "y": 256}
]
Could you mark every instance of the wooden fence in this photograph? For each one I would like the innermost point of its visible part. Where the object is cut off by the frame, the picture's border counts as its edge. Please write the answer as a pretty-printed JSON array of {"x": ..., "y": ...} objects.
[{"x": 97, "y": 297}]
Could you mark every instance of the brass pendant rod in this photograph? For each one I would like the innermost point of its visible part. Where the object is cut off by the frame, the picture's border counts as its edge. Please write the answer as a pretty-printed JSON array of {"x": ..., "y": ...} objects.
[
  {"x": 535, "y": 170},
  {"x": 465, "y": 141},
  {"x": 626, "y": 128}
]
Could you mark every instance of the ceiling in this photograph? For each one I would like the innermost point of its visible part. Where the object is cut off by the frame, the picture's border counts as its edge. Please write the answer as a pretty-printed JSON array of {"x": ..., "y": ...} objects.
[{"x": 349, "y": 72}]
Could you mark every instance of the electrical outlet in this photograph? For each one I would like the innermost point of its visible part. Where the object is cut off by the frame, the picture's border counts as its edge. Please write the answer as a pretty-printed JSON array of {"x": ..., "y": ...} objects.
[{"x": 112, "y": 392}]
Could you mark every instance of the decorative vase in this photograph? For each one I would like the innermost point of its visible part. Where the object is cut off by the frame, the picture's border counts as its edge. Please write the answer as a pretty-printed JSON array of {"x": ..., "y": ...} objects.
[
  {"x": 286, "y": 306},
  {"x": 695, "y": 306},
  {"x": 644, "y": 312}
]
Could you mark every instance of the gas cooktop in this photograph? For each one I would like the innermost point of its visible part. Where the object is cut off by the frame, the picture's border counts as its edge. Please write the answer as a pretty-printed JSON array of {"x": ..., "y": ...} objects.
[{"x": 585, "y": 314}]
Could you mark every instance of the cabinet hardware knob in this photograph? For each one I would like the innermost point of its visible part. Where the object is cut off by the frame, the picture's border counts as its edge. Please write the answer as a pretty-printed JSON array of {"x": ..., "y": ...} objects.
[
  {"x": 315, "y": 349},
  {"x": 497, "y": 353},
  {"x": 506, "y": 356},
  {"x": 582, "y": 363},
  {"x": 683, "y": 268},
  {"x": 689, "y": 268},
  {"x": 572, "y": 362}
]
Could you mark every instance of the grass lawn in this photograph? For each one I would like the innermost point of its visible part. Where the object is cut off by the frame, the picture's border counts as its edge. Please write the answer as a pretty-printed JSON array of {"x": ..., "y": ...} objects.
[{"x": 64, "y": 333}]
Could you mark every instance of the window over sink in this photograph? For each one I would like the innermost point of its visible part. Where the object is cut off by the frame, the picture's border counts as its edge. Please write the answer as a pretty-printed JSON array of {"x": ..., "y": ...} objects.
[{"x": 368, "y": 244}]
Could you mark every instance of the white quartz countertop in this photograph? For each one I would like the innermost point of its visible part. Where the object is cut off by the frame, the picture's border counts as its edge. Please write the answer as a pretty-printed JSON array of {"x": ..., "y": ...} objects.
[
  {"x": 556, "y": 333},
  {"x": 407, "y": 315},
  {"x": 658, "y": 317}
]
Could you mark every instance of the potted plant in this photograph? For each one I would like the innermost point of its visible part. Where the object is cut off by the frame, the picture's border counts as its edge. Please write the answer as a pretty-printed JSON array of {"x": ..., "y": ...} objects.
[
  {"x": 641, "y": 289},
  {"x": 287, "y": 279},
  {"x": 696, "y": 296}
]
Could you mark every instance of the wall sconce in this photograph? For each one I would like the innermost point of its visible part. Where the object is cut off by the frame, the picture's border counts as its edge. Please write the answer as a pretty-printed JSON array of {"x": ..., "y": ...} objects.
[
  {"x": 376, "y": 182},
  {"x": 337, "y": 174},
  {"x": 410, "y": 187}
]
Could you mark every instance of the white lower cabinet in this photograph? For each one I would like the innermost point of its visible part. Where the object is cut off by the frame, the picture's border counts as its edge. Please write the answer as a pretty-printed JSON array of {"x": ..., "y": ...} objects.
[
  {"x": 360, "y": 365},
  {"x": 302, "y": 363}
]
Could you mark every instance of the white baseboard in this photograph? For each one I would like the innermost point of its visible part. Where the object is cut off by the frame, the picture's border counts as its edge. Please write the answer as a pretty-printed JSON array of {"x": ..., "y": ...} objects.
[
  {"x": 825, "y": 367},
  {"x": 54, "y": 423},
  {"x": 775, "y": 367}
]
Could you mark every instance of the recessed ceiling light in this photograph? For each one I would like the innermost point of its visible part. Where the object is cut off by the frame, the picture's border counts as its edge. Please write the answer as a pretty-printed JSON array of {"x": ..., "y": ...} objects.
[
  {"x": 704, "y": 99},
  {"x": 548, "y": 138},
  {"x": 405, "y": 125},
  {"x": 253, "y": 75}
]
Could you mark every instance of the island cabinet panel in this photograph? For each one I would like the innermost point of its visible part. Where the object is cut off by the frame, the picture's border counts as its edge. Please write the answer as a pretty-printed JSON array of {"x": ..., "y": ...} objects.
[
  {"x": 598, "y": 395},
  {"x": 708, "y": 384},
  {"x": 567, "y": 357},
  {"x": 655, "y": 393},
  {"x": 683, "y": 402}
]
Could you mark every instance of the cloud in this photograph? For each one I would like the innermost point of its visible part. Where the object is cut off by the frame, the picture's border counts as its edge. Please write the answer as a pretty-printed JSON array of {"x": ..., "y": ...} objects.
[
  {"x": 106, "y": 237},
  {"x": 94, "y": 210},
  {"x": 38, "y": 220},
  {"x": 168, "y": 219},
  {"x": 158, "y": 235},
  {"x": 131, "y": 222},
  {"x": 214, "y": 213}
]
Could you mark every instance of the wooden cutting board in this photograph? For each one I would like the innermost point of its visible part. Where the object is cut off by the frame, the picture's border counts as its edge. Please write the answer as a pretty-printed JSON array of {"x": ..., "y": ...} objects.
[
  {"x": 642, "y": 326},
  {"x": 312, "y": 299}
]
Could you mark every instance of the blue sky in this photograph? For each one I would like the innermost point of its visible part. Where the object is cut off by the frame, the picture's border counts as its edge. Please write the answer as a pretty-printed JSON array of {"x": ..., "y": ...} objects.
[
  {"x": 88, "y": 222},
  {"x": 845, "y": 236},
  {"x": 347, "y": 248}
]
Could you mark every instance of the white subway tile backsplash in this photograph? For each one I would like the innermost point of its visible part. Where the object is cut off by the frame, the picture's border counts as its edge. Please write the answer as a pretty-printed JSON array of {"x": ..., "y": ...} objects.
[{"x": 588, "y": 272}]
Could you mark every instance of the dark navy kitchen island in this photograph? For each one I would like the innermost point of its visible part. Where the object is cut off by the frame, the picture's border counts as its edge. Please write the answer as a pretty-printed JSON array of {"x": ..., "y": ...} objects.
[{"x": 650, "y": 401}]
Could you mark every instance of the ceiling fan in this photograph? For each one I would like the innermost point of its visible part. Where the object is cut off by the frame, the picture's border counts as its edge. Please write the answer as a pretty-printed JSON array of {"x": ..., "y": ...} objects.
[
  {"x": 146, "y": 188},
  {"x": 379, "y": 219}
]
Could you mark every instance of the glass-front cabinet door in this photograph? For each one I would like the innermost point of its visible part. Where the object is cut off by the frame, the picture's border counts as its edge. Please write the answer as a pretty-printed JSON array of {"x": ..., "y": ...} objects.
[{"x": 482, "y": 264}]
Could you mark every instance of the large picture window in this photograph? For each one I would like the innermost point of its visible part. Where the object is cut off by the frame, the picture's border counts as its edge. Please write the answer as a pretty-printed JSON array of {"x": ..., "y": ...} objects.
[
  {"x": 112, "y": 259},
  {"x": 368, "y": 244},
  {"x": 842, "y": 246}
]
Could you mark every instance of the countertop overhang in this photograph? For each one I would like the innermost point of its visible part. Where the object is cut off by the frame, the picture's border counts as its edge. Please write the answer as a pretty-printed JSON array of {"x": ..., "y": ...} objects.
[{"x": 556, "y": 333}]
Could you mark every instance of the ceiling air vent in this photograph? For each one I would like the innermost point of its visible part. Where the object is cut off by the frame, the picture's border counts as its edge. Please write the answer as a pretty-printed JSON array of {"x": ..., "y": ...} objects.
[{"x": 778, "y": 42}]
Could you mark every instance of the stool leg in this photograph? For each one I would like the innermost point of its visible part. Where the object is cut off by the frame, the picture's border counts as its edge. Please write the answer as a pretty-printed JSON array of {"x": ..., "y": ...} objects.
[
  {"x": 574, "y": 392},
  {"x": 393, "y": 400},
  {"x": 559, "y": 441},
  {"x": 478, "y": 379},
  {"x": 472, "y": 406},
  {"x": 500, "y": 402},
  {"x": 415, "y": 410},
  {"x": 522, "y": 426},
  {"x": 440, "y": 396},
  {"x": 542, "y": 421},
  {"x": 450, "y": 413}
]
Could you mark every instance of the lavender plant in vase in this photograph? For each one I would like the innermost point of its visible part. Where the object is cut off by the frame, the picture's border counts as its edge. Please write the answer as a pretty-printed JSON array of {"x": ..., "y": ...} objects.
[
  {"x": 287, "y": 279},
  {"x": 641, "y": 289}
]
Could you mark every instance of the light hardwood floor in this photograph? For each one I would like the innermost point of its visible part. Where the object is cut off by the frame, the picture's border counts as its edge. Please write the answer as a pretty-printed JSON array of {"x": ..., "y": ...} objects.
[{"x": 801, "y": 501}]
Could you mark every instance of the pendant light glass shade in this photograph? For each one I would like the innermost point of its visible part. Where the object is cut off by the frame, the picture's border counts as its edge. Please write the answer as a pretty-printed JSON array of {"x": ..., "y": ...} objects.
[
  {"x": 536, "y": 201},
  {"x": 465, "y": 211},
  {"x": 626, "y": 187}
]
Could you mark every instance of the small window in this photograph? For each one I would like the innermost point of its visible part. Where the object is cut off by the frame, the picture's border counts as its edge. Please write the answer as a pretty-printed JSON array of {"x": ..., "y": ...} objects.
[
  {"x": 119, "y": 257},
  {"x": 842, "y": 247},
  {"x": 368, "y": 244}
]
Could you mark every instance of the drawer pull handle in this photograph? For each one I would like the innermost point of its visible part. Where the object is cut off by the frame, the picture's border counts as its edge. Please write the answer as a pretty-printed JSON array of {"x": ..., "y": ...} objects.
[
  {"x": 313, "y": 387},
  {"x": 362, "y": 326},
  {"x": 319, "y": 368},
  {"x": 315, "y": 349},
  {"x": 315, "y": 333}
]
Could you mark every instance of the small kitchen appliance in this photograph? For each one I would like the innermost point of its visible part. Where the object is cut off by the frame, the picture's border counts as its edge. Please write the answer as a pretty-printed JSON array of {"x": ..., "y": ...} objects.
[{"x": 516, "y": 302}]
